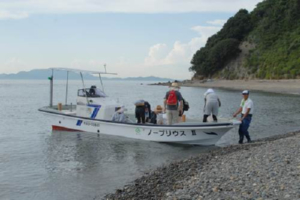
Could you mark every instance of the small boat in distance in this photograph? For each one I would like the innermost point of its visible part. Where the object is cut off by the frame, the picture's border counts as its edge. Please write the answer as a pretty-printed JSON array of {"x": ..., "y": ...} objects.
[{"x": 94, "y": 110}]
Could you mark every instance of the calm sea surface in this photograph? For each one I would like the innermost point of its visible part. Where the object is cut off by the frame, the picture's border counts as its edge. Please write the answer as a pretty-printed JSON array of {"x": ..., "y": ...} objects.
[{"x": 38, "y": 164}]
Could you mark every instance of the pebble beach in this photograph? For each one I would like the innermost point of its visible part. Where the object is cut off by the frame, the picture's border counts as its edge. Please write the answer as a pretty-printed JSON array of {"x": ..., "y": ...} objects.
[{"x": 266, "y": 169}]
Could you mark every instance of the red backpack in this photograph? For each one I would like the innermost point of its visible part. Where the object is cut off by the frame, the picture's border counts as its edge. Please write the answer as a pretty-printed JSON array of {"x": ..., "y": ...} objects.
[{"x": 172, "y": 98}]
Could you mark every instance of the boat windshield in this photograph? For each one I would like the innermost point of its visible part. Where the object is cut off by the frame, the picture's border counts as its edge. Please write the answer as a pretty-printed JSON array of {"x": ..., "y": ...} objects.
[{"x": 91, "y": 92}]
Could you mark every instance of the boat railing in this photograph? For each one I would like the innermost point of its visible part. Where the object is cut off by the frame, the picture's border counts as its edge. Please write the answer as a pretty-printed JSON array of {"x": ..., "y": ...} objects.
[{"x": 63, "y": 108}]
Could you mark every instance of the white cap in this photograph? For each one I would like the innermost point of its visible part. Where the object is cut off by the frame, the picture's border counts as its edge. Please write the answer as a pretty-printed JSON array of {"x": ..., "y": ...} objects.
[
  {"x": 245, "y": 92},
  {"x": 209, "y": 91}
]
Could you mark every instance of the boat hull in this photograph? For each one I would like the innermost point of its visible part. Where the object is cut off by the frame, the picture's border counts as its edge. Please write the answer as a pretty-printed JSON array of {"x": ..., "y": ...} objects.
[{"x": 197, "y": 134}]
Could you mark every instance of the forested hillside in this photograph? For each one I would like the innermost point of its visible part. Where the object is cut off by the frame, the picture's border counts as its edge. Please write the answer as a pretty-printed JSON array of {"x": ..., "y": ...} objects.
[{"x": 273, "y": 32}]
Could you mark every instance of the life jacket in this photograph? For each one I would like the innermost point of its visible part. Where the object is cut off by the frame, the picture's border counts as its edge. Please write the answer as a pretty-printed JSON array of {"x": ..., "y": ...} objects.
[{"x": 172, "y": 98}]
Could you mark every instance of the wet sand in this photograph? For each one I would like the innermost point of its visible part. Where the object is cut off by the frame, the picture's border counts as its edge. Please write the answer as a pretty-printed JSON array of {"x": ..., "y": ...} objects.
[{"x": 275, "y": 86}]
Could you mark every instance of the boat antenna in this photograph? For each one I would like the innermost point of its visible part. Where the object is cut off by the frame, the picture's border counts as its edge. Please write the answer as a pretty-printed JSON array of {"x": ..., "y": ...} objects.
[
  {"x": 101, "y": 78},
  {"x": 51, "y": 88},
  {"x": 101, "y": 82},
  {"x": 67, "y": 88},
  {"x": 84, "y": 90}
]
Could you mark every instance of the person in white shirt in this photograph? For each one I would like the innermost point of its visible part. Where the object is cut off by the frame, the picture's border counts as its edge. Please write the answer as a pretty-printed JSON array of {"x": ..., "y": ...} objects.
[
  {"x": 119, "y": 115},
  {"x": 211, "y": 105},
  {"x": 247, "y": 109}
]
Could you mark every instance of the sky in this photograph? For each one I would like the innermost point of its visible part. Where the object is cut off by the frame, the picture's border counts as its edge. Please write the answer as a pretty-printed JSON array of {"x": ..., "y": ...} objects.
[{"x": 131, "y": 37}]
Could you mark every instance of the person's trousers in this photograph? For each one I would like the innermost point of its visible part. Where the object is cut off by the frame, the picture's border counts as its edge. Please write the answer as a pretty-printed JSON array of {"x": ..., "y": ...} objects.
[
  {"x": 243, "y": 129},
  {"x": 206, "y": 116},
  {"x": 172, "y": 116},
  {"x": 140, "y": 114}
]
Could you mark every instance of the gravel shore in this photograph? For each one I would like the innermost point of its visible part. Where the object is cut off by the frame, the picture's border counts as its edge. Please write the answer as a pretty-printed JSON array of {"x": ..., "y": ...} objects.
[{"x": 265, "y": 169}]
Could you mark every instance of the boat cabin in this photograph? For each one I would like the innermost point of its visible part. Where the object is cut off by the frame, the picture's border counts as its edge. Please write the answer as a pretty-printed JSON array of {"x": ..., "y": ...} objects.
[
  {"x": 94, "y": 103},
  {"x": 91, "y": 92}
]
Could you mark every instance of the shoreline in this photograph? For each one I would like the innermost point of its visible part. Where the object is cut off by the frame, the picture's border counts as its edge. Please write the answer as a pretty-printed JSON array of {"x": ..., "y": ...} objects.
[
  {"x": 288, "y": 86},
  {"x": 268, "y": 168}
]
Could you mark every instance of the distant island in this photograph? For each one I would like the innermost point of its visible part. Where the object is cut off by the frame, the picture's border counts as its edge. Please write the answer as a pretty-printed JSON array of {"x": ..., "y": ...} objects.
[{"x": 43, "y": 74}]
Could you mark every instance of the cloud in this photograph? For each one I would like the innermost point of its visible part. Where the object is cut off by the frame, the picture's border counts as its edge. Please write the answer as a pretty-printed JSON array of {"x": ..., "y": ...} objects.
[
  {"x": 180, "y": 53},
  {"x": 18, "y": 9},
  {"x": 174, "y": 61},
  {"x": 156, "y": 54},
  {"x": 11, "y": 15},
  {"x": 206, "y": 31},
  {"x": 218, "y": 22}
]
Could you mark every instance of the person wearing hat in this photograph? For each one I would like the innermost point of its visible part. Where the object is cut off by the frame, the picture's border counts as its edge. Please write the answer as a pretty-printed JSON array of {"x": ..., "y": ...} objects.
[
  {"x": 156, "y": 116},
  {"x": 119, "y": 115},
  {"x": 211, "y": 105},
  {"x": 246, "y": 108},
  {"x": 173, "y": 104}
]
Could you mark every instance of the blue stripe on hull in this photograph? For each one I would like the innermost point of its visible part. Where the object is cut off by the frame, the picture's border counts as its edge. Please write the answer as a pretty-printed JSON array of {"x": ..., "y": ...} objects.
[
  {"x": 95, "y": 112},
  {"x": 79, "y": 122}
]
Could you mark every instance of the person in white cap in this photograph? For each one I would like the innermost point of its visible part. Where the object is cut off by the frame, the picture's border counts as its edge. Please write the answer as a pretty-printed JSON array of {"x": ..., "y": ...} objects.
[
  {"x": 173, "y": 104},
  {"x": 211, "y": 105},
  {"x": 119, "y": 115},
  {"x": 247, "y": 109}
]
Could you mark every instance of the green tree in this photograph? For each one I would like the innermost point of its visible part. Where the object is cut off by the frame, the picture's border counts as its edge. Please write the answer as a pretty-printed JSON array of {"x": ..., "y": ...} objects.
[{"x": 273, "y": 26}]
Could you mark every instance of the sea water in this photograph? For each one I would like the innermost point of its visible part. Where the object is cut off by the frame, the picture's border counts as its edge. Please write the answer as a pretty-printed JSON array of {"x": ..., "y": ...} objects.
[{"x": 36, "y": 163}]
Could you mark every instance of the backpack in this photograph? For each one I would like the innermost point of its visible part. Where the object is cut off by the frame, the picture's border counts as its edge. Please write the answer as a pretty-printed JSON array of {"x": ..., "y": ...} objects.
[
  {"x": 186, "y": 105},
  {"x": 172, "y": 98}
]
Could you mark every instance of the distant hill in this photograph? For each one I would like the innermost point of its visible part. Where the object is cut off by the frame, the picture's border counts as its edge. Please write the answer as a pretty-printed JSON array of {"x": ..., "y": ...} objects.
[
  {"x": 43, "y": 74},
  {"x": 264, "y": 44}
]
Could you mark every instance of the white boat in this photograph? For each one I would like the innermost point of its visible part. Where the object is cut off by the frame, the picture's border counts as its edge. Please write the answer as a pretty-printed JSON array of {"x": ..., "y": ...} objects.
[{"x": 93, "y": 113}]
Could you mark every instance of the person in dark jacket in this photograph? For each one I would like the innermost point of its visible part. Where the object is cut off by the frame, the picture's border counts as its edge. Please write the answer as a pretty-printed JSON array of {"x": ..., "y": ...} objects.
[
  {"x": 148, "y": 111},
  {"x": 142, "y": 111}
]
